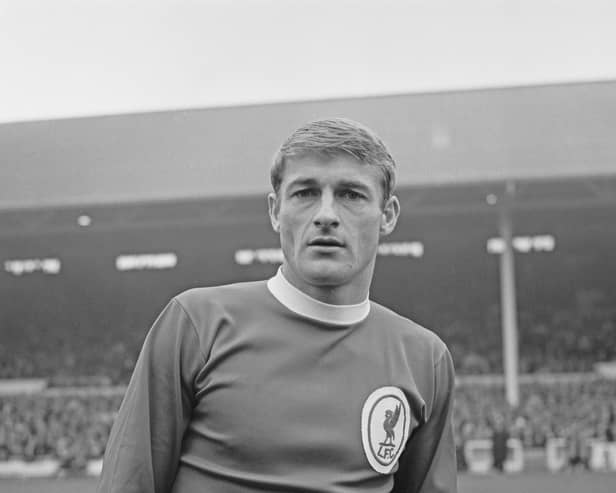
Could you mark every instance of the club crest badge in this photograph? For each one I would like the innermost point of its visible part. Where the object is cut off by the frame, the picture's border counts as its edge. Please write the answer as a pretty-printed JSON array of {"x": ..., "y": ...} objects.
[{"x": 385, "y": 424}]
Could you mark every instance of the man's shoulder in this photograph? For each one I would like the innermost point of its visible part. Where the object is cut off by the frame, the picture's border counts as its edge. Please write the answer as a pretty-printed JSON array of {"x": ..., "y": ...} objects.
[
  {"x": 224, "y": 295},
  {"x": 409, "y": 331}
]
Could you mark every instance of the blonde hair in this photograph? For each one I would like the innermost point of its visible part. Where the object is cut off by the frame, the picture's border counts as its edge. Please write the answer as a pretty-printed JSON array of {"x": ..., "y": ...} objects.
[{"x": 334, "y": 137}]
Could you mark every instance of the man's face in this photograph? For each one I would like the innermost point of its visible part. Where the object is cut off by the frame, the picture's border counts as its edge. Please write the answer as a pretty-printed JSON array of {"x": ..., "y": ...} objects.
[{"x": 330, "y": 216}]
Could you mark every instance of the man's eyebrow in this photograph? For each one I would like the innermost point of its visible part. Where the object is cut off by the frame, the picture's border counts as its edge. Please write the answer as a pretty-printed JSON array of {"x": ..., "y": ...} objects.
[
  {"x": 300, "y": 182},
  {"x": 354, "y": 184},
  {"x": 310, "y": 182}
]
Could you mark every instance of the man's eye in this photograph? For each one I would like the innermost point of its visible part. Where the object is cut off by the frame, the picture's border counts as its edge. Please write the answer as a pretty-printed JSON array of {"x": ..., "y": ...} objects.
[
  {"x": 351, "y": 195},
  {"x": 304, "y": 193}
]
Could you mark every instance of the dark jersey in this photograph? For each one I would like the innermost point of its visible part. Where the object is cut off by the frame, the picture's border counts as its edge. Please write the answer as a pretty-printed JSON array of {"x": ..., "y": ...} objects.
[{"x": 235, "y": 392}]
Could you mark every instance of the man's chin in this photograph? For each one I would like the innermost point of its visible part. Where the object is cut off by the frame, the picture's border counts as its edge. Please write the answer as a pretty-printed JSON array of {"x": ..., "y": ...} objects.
[{"x": 326, "y": 273}]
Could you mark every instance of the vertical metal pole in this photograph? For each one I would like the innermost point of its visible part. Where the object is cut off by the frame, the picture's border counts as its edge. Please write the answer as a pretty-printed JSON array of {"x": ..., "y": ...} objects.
[{"x": 508, "y": 301}]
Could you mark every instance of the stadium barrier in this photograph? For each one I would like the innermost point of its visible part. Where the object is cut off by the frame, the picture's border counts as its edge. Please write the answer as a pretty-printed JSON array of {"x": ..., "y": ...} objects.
[
  {"x": 607, "y": 369},
  {"x": 43, "y": 468},
  {"x": 494, "y": 379},
  {"x": 20, "y": 469},
  {"x": 556, "y": 454},
  {"x": 602, "y": 456},
  {"x": 478, "y": 455},
  {"x": 22, "y": 386},
  {"x": 94, "y": 467}
]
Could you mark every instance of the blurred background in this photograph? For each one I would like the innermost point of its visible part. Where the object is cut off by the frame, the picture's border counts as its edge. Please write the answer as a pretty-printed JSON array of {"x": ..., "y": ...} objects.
[{"x": 135, "y": 145}]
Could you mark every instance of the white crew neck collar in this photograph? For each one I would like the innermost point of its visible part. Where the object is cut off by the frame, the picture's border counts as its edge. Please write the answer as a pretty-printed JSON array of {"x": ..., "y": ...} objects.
[{"x": 299, "y": 302}]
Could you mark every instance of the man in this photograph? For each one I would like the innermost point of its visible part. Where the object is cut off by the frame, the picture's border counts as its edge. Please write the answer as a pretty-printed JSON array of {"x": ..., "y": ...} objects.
[
  {"x": 298, "y": 383},
  {"x": 577, "y": 448},
  {"x": 500, "y": 437}
]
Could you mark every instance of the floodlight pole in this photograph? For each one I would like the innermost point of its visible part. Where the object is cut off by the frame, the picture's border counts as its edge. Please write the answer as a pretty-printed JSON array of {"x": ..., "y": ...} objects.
[{"x": 508, "y": 299}]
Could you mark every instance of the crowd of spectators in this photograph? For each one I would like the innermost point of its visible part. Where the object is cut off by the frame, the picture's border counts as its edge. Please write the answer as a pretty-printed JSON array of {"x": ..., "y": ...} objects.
[
  {"x": 570, "y": 337},
  {"x": 547, "y": 410},
  {"x": 67, "y": 354},
  {"x": 551, "y": 339},
  {"x": 74, "y": 428}
]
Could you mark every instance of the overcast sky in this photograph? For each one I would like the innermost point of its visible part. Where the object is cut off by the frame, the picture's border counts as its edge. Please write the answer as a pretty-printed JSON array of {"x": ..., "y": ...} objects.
[{"x": 67, "y": 58}]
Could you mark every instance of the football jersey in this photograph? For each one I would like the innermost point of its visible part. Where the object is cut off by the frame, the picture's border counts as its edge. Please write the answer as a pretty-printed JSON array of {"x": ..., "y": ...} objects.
[{"x": 256, "y": 387}]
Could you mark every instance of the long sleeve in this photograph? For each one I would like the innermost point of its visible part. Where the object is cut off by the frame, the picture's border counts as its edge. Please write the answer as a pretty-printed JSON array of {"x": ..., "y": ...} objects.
[
  {"x": 145, "y": 443},
  {"x": 428, "y": 463}
]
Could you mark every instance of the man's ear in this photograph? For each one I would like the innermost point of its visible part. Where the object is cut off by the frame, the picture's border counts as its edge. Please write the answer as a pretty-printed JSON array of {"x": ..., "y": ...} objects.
[
  {"x": 389, "y": 218},
  {"x": 273, "y": 209}
]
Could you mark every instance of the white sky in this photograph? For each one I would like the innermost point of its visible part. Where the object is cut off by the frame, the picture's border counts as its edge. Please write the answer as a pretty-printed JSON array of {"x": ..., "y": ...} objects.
[{"x": 66, "y": 58}]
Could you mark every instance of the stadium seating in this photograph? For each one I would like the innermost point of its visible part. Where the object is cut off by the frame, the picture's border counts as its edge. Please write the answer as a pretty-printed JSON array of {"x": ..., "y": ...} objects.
[
  {"x": 72, "y": 426},
  {"x": 558, "y": 339},
  {"x": 71, "y": 429}
]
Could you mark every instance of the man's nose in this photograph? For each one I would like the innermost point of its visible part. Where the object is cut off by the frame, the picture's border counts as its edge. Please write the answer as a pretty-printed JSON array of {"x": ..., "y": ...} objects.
[{"x": 326, "y": 215}]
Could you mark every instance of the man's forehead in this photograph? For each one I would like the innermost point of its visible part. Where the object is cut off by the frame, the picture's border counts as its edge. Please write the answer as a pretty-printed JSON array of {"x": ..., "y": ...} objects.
[{"x": 339, "y": 169}]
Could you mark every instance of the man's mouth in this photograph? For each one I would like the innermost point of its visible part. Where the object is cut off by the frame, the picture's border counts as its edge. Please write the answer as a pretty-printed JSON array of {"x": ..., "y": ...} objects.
[{"x": 326, "y": 241}]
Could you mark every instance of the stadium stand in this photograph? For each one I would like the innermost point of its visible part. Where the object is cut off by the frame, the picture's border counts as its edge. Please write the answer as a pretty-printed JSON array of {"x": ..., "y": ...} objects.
[
  {"x": 84, "y": 326},
  {"x": 547, "y": 410},
  {"x": 72, "y": 426},
  {"x": 566, "y": 338},
  {"x": 71, "y": 429}
]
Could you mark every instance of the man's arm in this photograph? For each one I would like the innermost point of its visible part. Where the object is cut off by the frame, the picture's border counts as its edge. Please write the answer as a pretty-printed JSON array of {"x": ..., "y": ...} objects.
[
  {"x": 145, "y": 443},
  {"x": 428, "y": 463}
]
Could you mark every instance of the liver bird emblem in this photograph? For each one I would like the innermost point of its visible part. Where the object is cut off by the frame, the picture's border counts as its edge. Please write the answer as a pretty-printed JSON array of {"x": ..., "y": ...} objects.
[{"x": 391, "y": 418}]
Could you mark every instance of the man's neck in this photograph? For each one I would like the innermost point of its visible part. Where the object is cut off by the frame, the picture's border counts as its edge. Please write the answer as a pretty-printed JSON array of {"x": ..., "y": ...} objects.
[
  {"x": 305, "y": 305},
  {"x": 346, "y": 294}
]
